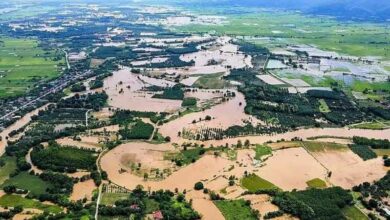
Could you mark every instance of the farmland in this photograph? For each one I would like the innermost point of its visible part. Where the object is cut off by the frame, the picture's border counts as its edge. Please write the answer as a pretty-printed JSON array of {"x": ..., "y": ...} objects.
[
  {"x": 144, "y": 111},
  {"x": 23, "y": 64},
  {"x": 328, "y": 34}
]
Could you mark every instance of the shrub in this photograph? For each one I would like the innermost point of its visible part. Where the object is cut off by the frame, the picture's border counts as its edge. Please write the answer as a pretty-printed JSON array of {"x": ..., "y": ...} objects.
[{"x": 198, "y": 186}]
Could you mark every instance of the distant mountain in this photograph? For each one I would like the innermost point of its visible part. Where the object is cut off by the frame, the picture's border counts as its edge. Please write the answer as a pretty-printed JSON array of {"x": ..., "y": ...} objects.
[{"x": 344, "y": 9}]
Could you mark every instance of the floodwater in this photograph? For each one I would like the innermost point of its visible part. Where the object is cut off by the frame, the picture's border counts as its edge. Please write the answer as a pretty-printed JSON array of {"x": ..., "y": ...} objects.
[
  {"x": 17, "y": 125},
  {"x": 125, "y": 92}
]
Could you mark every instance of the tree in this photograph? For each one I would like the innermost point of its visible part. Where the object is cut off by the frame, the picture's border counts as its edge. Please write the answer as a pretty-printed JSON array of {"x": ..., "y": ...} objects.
[
  {"x": 198, "y": 186},
  {"x": 9, "y": 189},
  {"x": 246, "y": 143},
  {"x": 387, "y": 162}
]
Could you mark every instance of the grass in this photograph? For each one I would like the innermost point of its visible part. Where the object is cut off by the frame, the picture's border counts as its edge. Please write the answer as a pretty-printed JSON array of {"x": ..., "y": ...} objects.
[
  {"x": 316, "y": 183},
  {"x": 262, "y": 150},
  {"x": 29, "y": 182},
  {"x": 340, "y": 69},
  {"x": 324, "y": 108},
  {"x": 190, "y": 155},
  {"x": 353, "y": 213},
  {"x": 111, "y": 198},
  {"x": 15, "y": 200},
  {"x": 23, "y": 64},
  {"x": 210, "y": 81},
  {"x": 360, "y": 86},
  {"x": 315, "y": 146},
  {"x": 382, "y": 152},
  {"x": 235, "y": 209},
  {"x": 254, "y": 183},
  {"x": 8, "y": 168},
  {"x": 151, "y": 205},
  {"x": 376, "y": 125},
  {"x": 355, "y": 38}
]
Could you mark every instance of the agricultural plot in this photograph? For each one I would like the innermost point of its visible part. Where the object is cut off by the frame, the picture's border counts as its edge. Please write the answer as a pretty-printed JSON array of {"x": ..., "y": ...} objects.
[
  {"x": 24, "y": 180},
  {"x": 15, "y": 200},
  {"x": 326, "y": 33},
  {"x": 271, "y": 80},
  {"x": 316, "y": 183},
  {"x": 23, "y": 63},
  {"x": 235, "y": 209},
  {"x": 8, "y": 167},
  {"x": 364, "y": 152},
  {"x": 210, "y": 81},
  {"x": 254, "y": 183}
]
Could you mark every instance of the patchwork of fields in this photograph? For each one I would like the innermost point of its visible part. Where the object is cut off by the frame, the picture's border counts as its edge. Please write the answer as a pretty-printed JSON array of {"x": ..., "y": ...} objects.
[{"x": 23, "y": 64}]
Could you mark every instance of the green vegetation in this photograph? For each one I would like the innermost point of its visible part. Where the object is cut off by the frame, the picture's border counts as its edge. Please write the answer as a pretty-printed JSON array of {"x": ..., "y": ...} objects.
[
  {"x": 78, "y": 87},
  {"x": 187, "y": 102},
  {"x": 353, "y": 213},
  {"x": 187, "y": 156},
  {"x": 315, "y": 146},
  {"x": 236, "y": 210},
  {"x": 262, "y": 150},
  {"x": 362, "y": 86},
  {"x": 374, "y": 193},
  {"x": 324, "y": 108},
  {"x": 375, "y": 125},
  {"x": 111, "y": 198},
  {"x": 175, "y": 93},
  {"x": 210, "y": 81},
  {"x": 23, "y": 63},
  {"x": 382, "y": 152},
  {"x": 8, "y": 167},
  {"x": 314, "y": 203},
  {"x": 354, "y": 39},
  {"x": 139, "y": 130},
  {"x": 63, "y": 159},
  {"x": 255, "y": 183},
  {"x": 316, "y": 183},
  {"x": 29, "y": 182},
  {"x": 15, "y": 200},
  {"x": 139, "y": 203},
  {"x": 363, "y": 151},
  {"x": 374, "y": 143},
  {"x": 93, "y": 101}
]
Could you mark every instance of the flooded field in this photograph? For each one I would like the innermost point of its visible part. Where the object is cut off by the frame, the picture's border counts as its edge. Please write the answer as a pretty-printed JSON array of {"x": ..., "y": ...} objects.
[
  {"x": 291, "y": 168},
  {"x": 17, "y": 125},
  {"x": 124, "y": 91},
  {"x": 233, "y": 114}
]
